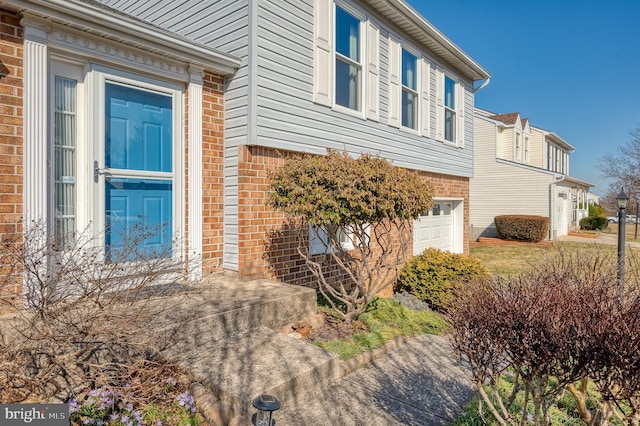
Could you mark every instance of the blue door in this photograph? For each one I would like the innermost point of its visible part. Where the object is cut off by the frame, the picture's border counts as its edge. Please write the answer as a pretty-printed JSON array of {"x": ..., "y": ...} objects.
[{"x": 139, "y": 180}]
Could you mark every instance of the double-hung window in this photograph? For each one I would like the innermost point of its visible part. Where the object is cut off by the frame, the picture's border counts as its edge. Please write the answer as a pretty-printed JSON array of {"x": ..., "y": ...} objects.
[
  {"x": 518, "y": 148},
  {"x": 409, "y": 90},
  {"x": 348, "y": 60},
  {"x": 450, "y": 118},
  {"x": 526, "y": 149}
]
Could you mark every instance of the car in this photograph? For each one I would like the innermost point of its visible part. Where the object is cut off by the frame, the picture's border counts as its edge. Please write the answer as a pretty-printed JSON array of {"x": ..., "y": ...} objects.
[
  {"x": 612, "y": 219},
  {"x": 631, "y": 218}
]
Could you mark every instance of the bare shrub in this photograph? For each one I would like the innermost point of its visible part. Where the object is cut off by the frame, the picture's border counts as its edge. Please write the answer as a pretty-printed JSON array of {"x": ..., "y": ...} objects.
[
  {"x": 83, "y": 313},
  {"x": 554, "y": 327}
]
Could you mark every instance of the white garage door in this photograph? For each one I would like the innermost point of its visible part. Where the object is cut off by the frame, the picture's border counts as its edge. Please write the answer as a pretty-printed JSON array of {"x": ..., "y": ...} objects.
[{"x": 434, "y": 229}]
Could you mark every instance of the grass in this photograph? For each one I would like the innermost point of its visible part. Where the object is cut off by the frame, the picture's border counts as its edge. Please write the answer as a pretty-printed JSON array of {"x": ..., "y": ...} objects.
[
  {"x": 630, "y": 231},
  {"x": 563, "y": 412},
  {"x": 386, "y": 319},
  {"x": 509, "y": 260}
]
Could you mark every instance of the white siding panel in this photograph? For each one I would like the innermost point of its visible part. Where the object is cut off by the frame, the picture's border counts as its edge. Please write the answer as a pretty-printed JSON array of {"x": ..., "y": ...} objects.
[
  {"x": 287, "y": 117},
  {"x": 499, "y": 188}
]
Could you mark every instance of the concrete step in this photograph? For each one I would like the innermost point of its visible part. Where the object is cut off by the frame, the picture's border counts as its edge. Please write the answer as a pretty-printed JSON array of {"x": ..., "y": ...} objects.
[
  {"x": 225, "y": 306},
  {"x": 261, "y": 361}
]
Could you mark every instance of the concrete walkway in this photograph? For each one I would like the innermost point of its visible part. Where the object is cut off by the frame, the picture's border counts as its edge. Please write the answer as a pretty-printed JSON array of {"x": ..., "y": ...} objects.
[
  {"x": 419, "y": 383},
  {"x": 603, "y": 238}
]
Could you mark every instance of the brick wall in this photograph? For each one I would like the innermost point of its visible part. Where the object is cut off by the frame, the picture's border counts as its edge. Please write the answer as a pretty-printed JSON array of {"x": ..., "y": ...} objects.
[
  {"x": 213, "y": 173},
  {"x": 10, "y": 122},
  {"x": 11, "y": 54},
  {"x": 267, "y": 243}
]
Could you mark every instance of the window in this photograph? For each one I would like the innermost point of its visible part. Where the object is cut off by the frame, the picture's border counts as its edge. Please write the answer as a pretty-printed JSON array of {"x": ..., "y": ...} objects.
[
  {"x": 65, "y": 109},
  {"x": 409, "y": 90},
  {"x": 319, "y": 244},
  {"x": 549, "y": 156},
  {"x": 558, "y": 154},
  {"x": 348, "y": 71},
  {"x": 526, "y": 149},
  {"x": 449, "y": 109},
  {"x": 518, "y": 148}
]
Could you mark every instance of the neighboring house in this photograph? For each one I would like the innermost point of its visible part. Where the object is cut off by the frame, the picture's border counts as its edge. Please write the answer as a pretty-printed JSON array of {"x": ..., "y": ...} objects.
[
  {"x": 522, "y": 169},
  {"x": 176, "y": 112}
]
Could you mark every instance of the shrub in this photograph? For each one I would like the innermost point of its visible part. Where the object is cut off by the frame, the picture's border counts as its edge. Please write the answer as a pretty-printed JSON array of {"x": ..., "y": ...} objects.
[
  {"x": 433, "y": 275},
  {"x": 593, "y": 222},
  {"x": 522, "y": 227},
  {"x": 597, "y": 210},
  {"x": 366, "y": 200}
]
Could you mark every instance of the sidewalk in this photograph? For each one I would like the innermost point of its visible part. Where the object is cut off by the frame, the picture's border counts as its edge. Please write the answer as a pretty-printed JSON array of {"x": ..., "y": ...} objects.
[
  {"x": 607, "y": 239},
  {"x": 419, "y": 383}
]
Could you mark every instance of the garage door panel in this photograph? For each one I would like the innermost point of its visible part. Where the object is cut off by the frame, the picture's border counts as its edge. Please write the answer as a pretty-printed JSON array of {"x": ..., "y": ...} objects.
[{"x": 434, "y": 229}]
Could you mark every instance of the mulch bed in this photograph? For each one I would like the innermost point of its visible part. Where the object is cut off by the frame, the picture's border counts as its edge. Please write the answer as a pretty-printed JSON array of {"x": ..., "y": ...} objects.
[{"x": 483, "y": 241}]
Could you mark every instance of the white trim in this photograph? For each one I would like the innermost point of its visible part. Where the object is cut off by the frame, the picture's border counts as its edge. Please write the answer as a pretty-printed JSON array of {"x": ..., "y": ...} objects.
[
  {"x": 36, "y": 117},
  {"x": 194, "y": 219}
]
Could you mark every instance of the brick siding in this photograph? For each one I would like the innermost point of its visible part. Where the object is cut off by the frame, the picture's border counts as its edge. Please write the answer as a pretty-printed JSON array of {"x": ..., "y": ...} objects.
[
  {"x": 212, "y": 173},
  {"x": 11, "y": 72},
  {"x": 267, "y": 243}
]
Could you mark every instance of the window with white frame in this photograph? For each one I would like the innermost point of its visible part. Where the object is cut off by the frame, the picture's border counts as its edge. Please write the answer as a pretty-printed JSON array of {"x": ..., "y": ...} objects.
[
  {"x": 319, "y": 241},
  {"x": 65, "y": 135},
  {"x": 518, "y": 148},
  {"x": 348, "y": 60},
  {"x": 549, "y": 156},
  {"x": 558, "y": 159},
  {"x": 526, "y": 150},
  {"x": 409, "y": 90},
  {"x": 127, "y": 127},
  {"x": 450, "y": 118}
]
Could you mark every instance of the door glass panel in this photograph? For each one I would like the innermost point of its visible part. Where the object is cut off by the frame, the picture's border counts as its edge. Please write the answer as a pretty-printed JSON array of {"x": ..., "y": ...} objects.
[
  {"x": 138, "y": 218},
  {"x": 64, "y": 146},
  {"x": 138, "y": 208},
  {"x": 138, "y": 129}
]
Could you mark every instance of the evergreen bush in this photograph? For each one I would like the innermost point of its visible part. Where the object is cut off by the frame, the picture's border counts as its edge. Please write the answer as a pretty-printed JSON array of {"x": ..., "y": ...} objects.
[
  {"x": 434, "y": 275},
  {"x": 593, "y": 222},
  {"x": 597, "y": 210},
  {"x": 522, "y": 227}
]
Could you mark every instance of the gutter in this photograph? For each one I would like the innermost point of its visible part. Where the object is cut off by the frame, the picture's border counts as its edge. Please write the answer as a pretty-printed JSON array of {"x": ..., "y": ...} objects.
[{"x": 484, "y": 84}]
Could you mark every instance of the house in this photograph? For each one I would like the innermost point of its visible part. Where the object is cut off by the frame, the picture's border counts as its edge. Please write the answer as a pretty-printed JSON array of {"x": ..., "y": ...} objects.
[
  {"x": 522, "y": 169},
  {"x": 119, "y": 110}
]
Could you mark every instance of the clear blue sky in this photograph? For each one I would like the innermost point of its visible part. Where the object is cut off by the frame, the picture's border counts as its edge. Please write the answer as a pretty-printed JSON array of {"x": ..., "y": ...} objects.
[{"x": 570, "y": 66}]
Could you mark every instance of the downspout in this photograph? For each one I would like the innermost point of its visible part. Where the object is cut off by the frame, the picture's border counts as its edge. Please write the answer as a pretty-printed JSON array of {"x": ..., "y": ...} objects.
[
  {"x": 482, "y": 86},
  {"x": 552, "y": 213}
]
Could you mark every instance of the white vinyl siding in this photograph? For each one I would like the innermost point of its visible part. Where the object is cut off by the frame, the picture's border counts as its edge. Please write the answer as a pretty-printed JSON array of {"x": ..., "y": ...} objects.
[{"x": 492, "y": 188}]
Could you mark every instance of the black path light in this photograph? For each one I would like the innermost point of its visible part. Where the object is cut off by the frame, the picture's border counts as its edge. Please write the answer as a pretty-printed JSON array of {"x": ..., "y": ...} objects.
[
  {"x": 266, "y": 405},
  {"x": 622, "y": 200}
]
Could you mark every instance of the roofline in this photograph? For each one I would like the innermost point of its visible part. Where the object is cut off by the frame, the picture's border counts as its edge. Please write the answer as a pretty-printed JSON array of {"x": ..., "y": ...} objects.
[
  {"x": 571, "y": 179},
  {"x": 133, "y": 32},
  {"x": 555, "y": 138},
  {"x": 474, "y": 70}
]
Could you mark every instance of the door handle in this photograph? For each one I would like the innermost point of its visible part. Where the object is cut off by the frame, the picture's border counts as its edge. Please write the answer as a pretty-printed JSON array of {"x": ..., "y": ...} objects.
[{"x": 97, "y": 171}]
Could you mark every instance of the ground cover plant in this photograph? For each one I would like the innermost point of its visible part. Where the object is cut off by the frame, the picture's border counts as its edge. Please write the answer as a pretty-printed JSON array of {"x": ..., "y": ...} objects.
[
  {"x": 384, "y": 320},
  {"x": 361, "y": 211},
  {"x": 563, "y": 329}
]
